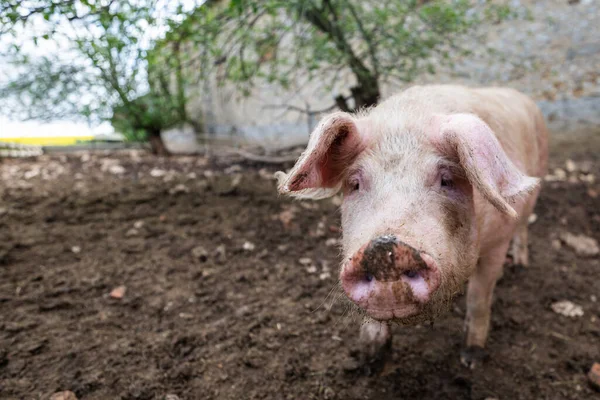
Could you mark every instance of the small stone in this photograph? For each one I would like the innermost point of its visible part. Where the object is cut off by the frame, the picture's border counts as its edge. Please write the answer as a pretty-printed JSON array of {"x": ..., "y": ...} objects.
[
  {"x": 118, "y": 292},
  {"x": 132, "y": 232},
  {"x": 592, "y": 193},
  {"x": 236, "y": 180},
  {"x": 583, "y": 245},
  {"x": 184, "y": 315},
  {"x": 66, "y": 395},
  {"x": 336, "y": 201},
  {"x": 588, "y": 178},
  {"x": 265, "y": 174},
  {"x": 200, "y": 253},
  {"x": 76, "y": 249},
  {"x": 567, "y": 308},
  {"x": 593, "y": 298},
  {"x": 221, "y": 253},
  {"x": 116, "y": 169},
  {"x": 324, "y": 275},
  {"x": 560, "y": 174},
  {"x": 305, "y": 261},
  {"x": 570, "y": 166},
  {"x": 181, "y": 188},
  {"x": 233, "y": 169},
  {"x": 331, "y": 242},
  {"x": 172, "y": 397},
  {"x": 532, "y": 218},
  {"x": 249, "y": 246},
  {"x": 556, "y": 244},
  {"x": 312, "y": 269},
  {"x": 138, "y": 224},
  {"x": 283, "y": 247},
  {"x": 594, "y": 376},
  {"x": 157, "y": 173}
]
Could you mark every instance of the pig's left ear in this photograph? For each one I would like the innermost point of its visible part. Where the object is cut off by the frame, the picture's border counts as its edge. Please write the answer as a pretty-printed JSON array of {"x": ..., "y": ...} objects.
[
  {"x": 318, "y": 173},
  {"x": 473, "y": 143}
]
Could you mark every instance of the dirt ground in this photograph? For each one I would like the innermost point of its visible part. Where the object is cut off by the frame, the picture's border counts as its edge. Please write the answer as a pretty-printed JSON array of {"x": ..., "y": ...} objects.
[{"x": 227, "y": 290}]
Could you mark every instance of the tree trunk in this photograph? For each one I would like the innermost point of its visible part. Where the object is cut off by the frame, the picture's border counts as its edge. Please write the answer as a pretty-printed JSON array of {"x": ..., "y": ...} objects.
[
  {"x": 366, "y": 94},
  {"x": 157, "y": 145}
]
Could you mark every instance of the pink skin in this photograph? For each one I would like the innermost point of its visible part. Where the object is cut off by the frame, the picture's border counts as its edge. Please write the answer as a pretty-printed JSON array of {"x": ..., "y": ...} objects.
[{"x": 436, "y": 183}]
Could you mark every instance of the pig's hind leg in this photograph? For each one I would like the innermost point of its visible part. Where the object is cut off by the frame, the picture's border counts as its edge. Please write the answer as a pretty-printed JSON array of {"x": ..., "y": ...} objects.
[
  {"x": 519, "y": 249},
  {"x": 479, "y": 304}
]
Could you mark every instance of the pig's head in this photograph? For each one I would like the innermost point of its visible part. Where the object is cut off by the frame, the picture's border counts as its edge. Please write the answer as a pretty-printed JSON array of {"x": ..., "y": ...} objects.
[{"x": 410, "y": 236}]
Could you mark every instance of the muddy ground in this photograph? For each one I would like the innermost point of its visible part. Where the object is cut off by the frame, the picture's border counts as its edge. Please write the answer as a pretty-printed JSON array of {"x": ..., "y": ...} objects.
[{"x": 226, "y": 290}]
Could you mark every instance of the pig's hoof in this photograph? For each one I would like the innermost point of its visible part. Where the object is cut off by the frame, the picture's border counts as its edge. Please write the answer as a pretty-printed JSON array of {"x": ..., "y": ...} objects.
[{"x": 473, "y": 356}]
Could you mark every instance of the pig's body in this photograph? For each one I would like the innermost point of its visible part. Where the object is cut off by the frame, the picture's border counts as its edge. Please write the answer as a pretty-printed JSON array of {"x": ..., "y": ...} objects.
[{"x": 437, "y": 181}]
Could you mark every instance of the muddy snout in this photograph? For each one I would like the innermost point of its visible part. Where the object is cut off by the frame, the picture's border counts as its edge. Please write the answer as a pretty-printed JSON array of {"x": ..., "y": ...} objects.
[{"x": 390, "y": 279}]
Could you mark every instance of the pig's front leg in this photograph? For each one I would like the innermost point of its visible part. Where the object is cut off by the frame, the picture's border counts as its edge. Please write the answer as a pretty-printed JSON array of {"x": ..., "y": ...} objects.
[
  {"x": 375, "y": 345},
  {"x": 479, "y": 304}
]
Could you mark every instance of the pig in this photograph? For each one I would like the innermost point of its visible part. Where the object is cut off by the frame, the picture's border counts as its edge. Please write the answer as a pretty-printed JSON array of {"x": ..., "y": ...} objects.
[{"x": 437, "y": 182}]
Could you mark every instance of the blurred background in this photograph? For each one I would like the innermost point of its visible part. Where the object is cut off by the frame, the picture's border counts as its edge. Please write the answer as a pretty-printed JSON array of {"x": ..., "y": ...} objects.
[{"x": 145, "y": 254}]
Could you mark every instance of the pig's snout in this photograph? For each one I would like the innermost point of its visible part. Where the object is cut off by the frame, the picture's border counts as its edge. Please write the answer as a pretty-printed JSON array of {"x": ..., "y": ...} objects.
[{"x": 390, "y": 279}]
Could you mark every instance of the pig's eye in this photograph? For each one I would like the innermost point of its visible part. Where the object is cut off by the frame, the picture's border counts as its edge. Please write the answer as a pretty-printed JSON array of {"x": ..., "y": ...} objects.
[
  {"x": 446, "y": 180},
  {"x": 353, "y": 184}
]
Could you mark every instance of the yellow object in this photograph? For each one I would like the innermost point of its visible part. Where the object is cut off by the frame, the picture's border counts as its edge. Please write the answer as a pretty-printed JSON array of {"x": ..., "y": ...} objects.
[{"x": 48, "y": 141}]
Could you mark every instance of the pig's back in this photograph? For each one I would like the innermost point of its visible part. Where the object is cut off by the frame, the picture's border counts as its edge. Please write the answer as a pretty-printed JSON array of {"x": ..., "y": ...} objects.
[{"x": 514, "y": 117}]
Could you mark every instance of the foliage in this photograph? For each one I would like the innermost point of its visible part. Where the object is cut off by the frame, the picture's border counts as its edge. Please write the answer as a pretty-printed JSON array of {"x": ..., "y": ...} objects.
[
  {"x": 279, "y": 41},
  {"x": 103, "y": 70}
]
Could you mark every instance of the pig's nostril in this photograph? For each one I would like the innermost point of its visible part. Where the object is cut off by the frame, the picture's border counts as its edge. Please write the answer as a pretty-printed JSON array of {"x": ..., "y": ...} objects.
[
  {"x": 411, "y": 274},
  {"x": 368, "y": 277}
]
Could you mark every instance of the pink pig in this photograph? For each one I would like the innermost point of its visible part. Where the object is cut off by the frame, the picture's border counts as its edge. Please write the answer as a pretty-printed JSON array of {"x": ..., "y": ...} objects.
[{"x": 437, "y": 181}]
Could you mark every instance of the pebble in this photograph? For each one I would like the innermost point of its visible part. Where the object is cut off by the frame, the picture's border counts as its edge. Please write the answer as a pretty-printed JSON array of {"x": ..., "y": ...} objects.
[
  {"x": 567, "y": 308},
  {"x": 76, "y": 249},
  {"x": 331, "y": 242},
  {"x": 181, "y": 188},
  {"x": 221, "y": 253},
  {"x": 324, "y": 275},
  {"x": 305, "y": 261},
  {"x": 583, "y": 245},
  {"x": 556, "y": 244},
  {"x": 249, "y": 246},
  {"x": 132, "y": 232},
  {"x": 66, "y": 395},
  {"x": 532, "y": 218},
  {"x": 116, "y": 169},
  {"x": 138, "y": 224},
  {"x": 118, "y": 292},
  {"x": 156, "y": 173}
]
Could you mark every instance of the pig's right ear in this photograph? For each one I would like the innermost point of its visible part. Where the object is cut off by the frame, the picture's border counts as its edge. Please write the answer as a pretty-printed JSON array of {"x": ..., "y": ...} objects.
[{"x": 318, "y": 173}]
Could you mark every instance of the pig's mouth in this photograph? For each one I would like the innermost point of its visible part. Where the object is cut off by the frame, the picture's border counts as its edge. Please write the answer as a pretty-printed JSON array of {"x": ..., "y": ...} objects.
[{"x": 390, "y": 280}]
